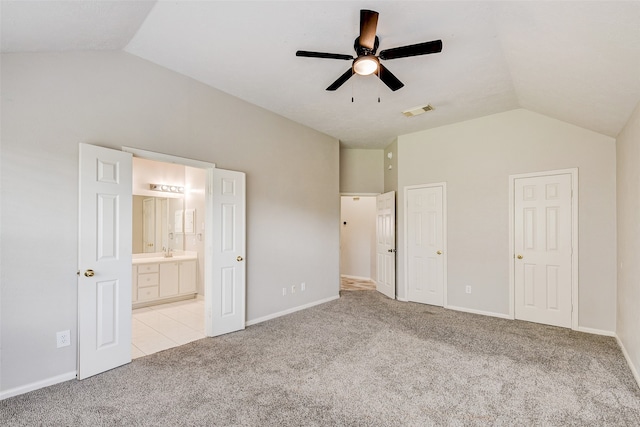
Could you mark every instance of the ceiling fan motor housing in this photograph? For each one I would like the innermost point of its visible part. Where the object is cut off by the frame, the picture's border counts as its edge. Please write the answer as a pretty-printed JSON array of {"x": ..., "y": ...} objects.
[{"x": 365, "y": 51}]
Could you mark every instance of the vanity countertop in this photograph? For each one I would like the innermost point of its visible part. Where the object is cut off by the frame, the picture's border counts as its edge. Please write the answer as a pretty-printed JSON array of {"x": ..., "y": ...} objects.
[{"x": 159, "y": 258}]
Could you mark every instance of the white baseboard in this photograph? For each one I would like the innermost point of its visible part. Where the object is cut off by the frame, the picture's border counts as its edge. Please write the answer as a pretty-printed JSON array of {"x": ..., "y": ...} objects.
[
  {"x": 634, "y": 369},
  {"x": 37, "y": 385},
  {"x": 595, "y": 331},
  {"x": 289, "y": 311},
  {"x": 357, "y": 277},
  {"x": 483, "y": 313},
  {"x": 401, "y": 299}
]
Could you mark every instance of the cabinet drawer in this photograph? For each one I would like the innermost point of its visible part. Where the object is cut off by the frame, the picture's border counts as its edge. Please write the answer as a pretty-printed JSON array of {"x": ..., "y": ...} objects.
[
  {"x": 148, "y": 268},
  {"x": 145, "y": 294},
  {"x": 150, "y": 279}
]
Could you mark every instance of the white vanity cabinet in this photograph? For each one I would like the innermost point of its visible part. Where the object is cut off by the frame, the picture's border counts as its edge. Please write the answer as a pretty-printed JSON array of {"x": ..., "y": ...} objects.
[{"x": 159, "y": 281}]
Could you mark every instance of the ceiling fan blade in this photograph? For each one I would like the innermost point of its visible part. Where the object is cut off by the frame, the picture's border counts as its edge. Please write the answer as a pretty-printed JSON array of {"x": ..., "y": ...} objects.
[
  {"x": 343, "y": 78},
  {"x": 323, "y": 55},
  {"x": 425, "y": 48},
  {"x": 389, "y": 79},
  {"x": 368, "y": 27}
]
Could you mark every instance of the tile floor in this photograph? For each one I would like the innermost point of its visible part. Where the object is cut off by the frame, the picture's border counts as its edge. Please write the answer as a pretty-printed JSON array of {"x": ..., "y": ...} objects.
[{"x": 164, "y": 326}]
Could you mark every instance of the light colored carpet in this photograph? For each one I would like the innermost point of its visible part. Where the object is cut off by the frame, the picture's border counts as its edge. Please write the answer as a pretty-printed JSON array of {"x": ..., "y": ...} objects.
[{"x": 362, "y": 360}]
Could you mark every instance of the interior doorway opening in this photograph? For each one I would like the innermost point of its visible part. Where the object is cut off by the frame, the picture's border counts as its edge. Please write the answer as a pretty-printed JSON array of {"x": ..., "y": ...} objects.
[
  {"x": 168, "y": 245},
  {"x": 358, "y": 238}
]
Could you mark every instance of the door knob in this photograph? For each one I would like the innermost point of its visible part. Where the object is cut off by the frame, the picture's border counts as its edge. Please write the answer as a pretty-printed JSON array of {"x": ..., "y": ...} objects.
[
  {"x": 89, "y": 273},
  {"x": 439, "y": 252},
  {"x": 239, "y": 258},
  {"x": 519, "y": 256},
  {"x": 391, "y": 250}
]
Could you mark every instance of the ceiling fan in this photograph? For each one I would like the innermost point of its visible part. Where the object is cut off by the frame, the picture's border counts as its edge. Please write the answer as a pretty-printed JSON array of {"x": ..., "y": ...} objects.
[{"x": 367, "y": 62}]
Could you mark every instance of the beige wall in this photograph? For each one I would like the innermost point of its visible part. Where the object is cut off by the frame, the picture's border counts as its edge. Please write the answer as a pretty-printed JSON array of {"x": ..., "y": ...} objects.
[
  {"x": 628, "y": 180},
  {"x": 475, "y": 159},
  {"x": 361, "y": 171},
  {"x": 52, "y": 102},
  {"x": 358, "y": 236}
]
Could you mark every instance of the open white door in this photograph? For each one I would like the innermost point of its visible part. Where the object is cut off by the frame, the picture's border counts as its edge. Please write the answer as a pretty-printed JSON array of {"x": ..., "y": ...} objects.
[
  {"x": 225, "y": 287},
  {"x": 104, "y": 260},
  {"x": 386, "y": 244}
]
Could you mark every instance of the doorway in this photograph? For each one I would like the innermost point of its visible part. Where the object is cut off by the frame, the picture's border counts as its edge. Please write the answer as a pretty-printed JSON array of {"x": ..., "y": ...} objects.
[
  {"x": 544, "y": 252},
  {"x": 168, "y": 256},
  {"x": 105, "y": 273},
  {"x": 426, "y": 260}
]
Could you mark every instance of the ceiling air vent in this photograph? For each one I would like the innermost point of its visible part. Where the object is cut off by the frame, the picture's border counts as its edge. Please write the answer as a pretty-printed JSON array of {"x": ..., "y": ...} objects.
[{"x": 416, "y": 111}]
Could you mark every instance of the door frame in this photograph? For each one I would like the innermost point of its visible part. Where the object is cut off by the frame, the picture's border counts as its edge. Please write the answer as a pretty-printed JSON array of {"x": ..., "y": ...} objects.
[
  {"x": 574, "y": 239},
  {"x": 445, "y": 281}
]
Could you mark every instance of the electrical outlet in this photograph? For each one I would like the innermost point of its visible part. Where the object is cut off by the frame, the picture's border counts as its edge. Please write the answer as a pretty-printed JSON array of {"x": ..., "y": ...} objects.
[
  {"x": 303, "y": 285},
  {"x": 284, "y": 292},
  {"x": 468, "y": 289},
  {"x": 63, "y": 338},
  {"x": 293, "y": 289}
]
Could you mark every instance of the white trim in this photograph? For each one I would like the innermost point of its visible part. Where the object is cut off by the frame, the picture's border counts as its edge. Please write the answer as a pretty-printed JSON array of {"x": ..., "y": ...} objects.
[
  {"x": 289, "y": 311},
  {"x": 634, "y": 370},
  {"x": 37, "y": 385},
  {"x": 575, "y": 286},
  {"x": 595, "y": 331},
  {"x": 483, "y": 313},
  {"x": 168, "y": 158},
  {"x": 445, "y": 283},
  {"x": 402, "y": 299},
  {"x": 346, "y": 276},
  {"x": 359, "y": 194}
]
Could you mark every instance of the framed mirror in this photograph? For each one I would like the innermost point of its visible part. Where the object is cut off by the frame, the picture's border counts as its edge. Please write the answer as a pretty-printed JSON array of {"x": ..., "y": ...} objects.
[{"x": 157, "y": 224}]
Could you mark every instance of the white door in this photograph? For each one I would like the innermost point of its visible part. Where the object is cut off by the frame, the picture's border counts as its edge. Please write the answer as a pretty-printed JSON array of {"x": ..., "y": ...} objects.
[
  {"x": 425, "y": 245},
  {"x": 104, "y": 260},
  {"x": 386, "y": 244},
  {"x": 542, "y": 243},
  {"x": 225, "y": 293}
]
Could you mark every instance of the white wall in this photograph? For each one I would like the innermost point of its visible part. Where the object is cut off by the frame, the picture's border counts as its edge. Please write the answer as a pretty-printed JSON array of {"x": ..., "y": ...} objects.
[
  {"x": 475, "y": 158},
  {"x": 628, "y": 197},
  {"x": 52, "y": 102},
  {"x": 358, "y": 236},
  {"x": 194, "y": 198},
  {"x": 391, "y": 174},
  {"x": 361, "y": 171}
]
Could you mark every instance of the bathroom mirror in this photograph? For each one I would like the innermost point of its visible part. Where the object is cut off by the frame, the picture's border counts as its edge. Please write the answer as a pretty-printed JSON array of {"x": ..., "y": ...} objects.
[{"x": 157, "y": 224}]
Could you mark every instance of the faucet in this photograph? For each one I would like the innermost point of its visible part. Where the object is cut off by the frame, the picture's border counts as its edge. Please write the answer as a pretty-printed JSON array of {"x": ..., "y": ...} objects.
[{"x": 168, "y": 253}]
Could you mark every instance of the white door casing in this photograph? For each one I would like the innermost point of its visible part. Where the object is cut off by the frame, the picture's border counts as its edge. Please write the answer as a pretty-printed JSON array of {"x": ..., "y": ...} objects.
[
  {"x": 543, "y": 248},
  {"x": 386, "y": 244},
  {"x": 425, "y": 244},
  {"x": 104, "y": 260},
  {"x": 225, "y": 291}
]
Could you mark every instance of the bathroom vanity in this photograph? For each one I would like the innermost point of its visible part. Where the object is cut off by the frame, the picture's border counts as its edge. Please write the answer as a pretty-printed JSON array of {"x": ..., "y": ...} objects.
[{"x": 157, "y": 279}]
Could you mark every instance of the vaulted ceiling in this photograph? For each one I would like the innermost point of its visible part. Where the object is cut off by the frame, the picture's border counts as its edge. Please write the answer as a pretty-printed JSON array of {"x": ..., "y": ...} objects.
[{"x": 575, "y": 61}]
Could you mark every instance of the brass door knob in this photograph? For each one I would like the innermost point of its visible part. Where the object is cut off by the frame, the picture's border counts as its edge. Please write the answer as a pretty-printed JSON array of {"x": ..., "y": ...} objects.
[
  {"x": 239, "y": 258},
  {"x": 519, "y": 256},
  {"x": 89, "y": 273},
  {"x": 439, "y": 252}
]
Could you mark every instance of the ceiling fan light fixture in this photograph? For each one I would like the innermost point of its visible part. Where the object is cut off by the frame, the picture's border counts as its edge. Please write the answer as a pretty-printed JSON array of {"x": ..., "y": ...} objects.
[{"x": 366, "y": 65}]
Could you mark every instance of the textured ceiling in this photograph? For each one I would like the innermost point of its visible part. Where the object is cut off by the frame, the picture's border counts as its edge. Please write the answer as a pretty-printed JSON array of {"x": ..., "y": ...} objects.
[{"x": 575, "y": 61}]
